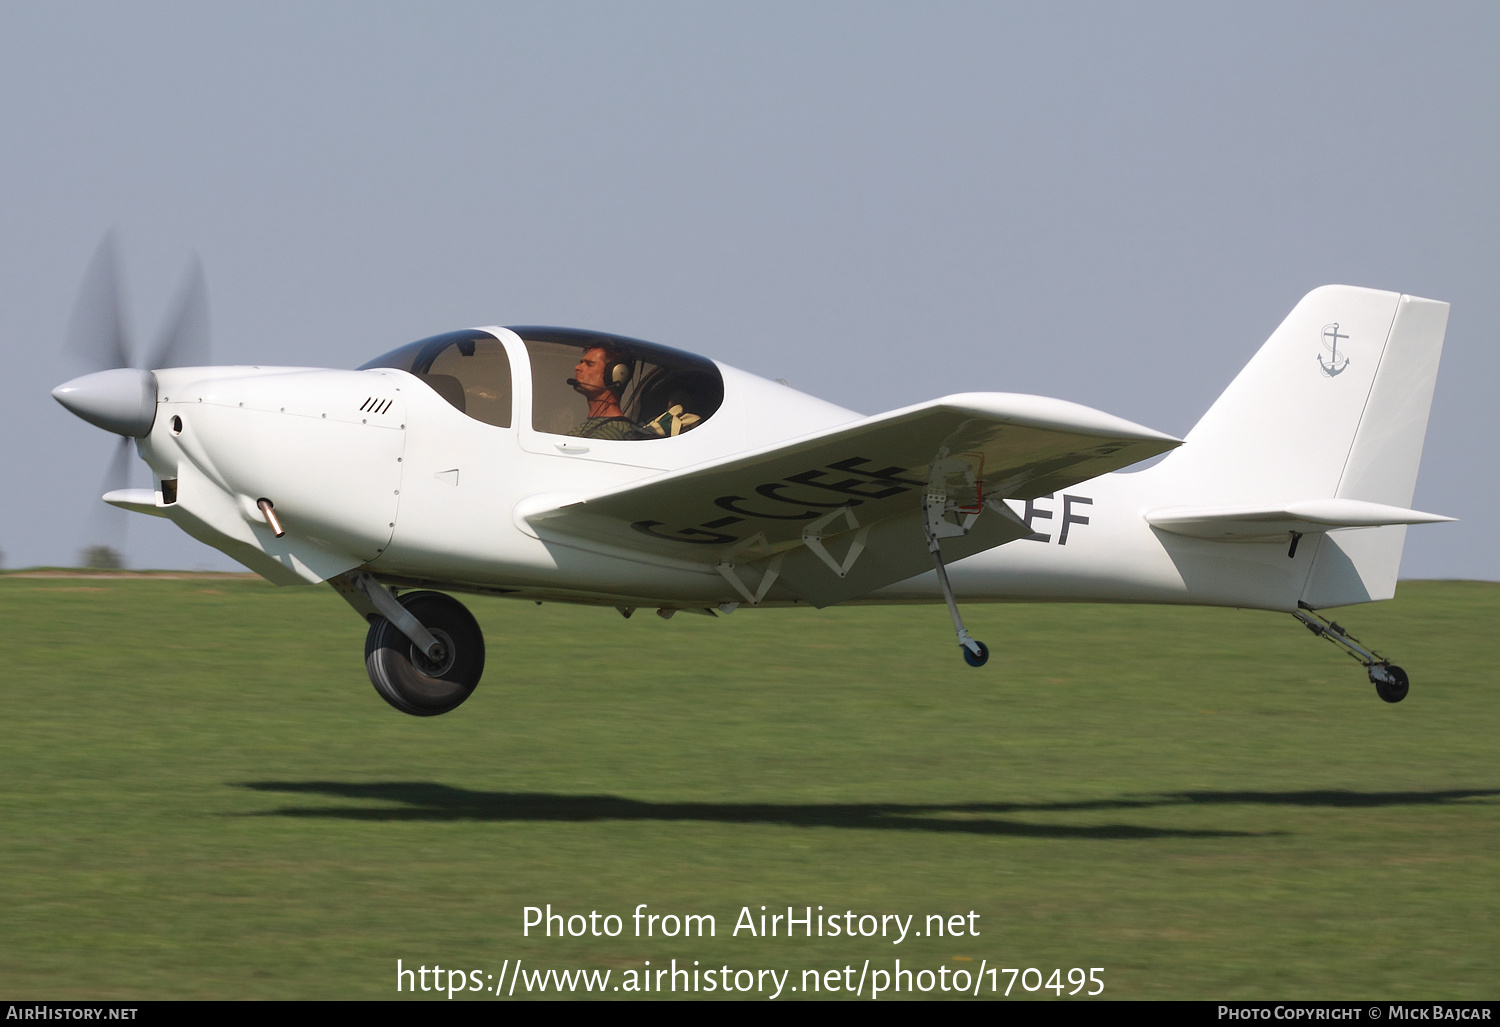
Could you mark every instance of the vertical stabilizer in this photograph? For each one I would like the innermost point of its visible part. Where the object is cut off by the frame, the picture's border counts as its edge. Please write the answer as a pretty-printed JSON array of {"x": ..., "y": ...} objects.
[
  {"x": 1283, "y": 429},
  {"x": 1334, "y": 405}
]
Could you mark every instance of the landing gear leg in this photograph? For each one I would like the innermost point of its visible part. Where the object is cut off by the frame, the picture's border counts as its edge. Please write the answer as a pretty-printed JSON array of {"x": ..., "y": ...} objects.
[
  {"x": 976, "y": 654},
  {"x": 1390, "y": 681}
]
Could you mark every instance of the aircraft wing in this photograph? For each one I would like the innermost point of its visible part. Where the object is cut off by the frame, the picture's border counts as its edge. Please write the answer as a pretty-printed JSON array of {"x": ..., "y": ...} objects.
[{"x": 840, "y": 512}]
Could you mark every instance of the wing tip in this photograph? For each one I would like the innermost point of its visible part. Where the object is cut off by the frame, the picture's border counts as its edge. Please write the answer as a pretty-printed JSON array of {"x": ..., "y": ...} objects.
[{"x": 1047, "y": 412}]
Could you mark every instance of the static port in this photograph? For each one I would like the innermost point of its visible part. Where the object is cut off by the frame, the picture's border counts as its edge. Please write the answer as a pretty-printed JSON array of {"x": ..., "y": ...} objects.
[
  {"x": 168, "y": 491},
  {"x": 176, "y": 425}
]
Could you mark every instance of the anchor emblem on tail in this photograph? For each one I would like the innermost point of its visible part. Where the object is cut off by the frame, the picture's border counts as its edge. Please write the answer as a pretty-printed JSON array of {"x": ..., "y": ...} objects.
[{"x": 1337, "y": 361}]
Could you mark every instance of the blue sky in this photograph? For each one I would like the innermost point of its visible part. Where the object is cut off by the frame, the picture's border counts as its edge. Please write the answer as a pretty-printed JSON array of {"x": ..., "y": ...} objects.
[{"x": 1110, "y": 203}]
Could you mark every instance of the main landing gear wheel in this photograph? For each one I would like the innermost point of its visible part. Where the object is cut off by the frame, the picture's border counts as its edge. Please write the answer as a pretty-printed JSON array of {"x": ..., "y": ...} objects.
[
  {"x": 403, "y": 674},
  {"x": 978, "y": 659},
  {"x": 1395, "y": 688}
]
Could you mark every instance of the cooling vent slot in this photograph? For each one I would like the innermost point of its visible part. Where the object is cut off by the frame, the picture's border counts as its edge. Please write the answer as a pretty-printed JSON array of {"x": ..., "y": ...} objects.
[{"x": 374, "y": 405}]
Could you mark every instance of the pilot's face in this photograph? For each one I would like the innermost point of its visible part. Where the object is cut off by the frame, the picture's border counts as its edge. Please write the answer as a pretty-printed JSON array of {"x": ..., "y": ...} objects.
[{"x": 589, "y": 373}]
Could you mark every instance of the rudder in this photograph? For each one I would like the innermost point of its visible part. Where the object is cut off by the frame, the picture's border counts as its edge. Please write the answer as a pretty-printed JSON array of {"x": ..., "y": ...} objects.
[{"x": 1362, "y": 564}]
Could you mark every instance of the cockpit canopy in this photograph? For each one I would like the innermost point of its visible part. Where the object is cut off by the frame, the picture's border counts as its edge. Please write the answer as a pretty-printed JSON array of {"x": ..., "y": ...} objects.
[
  {"x": 469, "y": 369},
  {"x": 659, "y": 392}
]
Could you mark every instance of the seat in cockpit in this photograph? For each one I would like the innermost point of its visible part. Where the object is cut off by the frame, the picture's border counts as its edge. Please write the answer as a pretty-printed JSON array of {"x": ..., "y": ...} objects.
[{"x": 675, "y": 400}]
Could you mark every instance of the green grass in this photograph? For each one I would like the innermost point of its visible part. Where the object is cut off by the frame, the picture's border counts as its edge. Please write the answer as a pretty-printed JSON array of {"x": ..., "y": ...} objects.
[{"x": 203, "y": 796}]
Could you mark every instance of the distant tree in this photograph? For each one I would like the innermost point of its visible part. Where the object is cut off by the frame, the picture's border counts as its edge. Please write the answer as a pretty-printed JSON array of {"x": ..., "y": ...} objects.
[{"x": 102, "y": 558}]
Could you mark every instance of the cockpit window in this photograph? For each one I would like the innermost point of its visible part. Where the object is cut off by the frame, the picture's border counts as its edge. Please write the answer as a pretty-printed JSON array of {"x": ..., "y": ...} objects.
[
  {"x": 600, "y": 386},
  {"x": 469, "y": 369}
]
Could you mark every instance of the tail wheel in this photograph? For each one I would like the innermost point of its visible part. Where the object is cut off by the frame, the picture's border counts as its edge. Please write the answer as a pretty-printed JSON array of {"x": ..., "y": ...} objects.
[
  {"x": 1396, "y": 688},
  {"x": 402, "y": 673}
]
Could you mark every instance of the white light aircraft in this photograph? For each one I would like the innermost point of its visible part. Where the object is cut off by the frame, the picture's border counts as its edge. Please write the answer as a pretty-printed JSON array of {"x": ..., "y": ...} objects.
[{"x": 577, "y": 466}]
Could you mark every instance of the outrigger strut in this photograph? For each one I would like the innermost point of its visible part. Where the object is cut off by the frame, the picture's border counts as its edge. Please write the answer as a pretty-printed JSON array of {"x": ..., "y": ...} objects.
[{"x": 937, "y": 527}]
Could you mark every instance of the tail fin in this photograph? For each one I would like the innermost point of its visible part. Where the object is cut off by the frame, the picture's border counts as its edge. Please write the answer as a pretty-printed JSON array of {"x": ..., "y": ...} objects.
[{"x": 1334, "y": 405}]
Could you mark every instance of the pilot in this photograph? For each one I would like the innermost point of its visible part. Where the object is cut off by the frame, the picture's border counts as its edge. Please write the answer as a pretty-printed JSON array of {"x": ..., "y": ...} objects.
[{"x": 600, "y": 377}]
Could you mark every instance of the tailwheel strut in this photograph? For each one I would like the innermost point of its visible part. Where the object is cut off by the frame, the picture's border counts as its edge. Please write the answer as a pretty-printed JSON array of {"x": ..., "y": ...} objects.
[{"x": 1390, "y": 681}]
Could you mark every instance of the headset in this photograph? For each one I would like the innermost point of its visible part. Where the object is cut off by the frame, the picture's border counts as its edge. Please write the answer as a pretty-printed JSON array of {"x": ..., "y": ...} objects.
[{"x": 618, "y": 370}]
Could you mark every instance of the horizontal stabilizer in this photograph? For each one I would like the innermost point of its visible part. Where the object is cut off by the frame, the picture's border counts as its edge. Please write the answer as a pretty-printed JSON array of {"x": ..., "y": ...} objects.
[{"x": 1275, "y": 522}]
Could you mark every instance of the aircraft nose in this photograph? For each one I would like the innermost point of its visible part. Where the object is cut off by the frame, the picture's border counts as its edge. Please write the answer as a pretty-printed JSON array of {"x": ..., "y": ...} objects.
[{"x": 121, "y": 400}]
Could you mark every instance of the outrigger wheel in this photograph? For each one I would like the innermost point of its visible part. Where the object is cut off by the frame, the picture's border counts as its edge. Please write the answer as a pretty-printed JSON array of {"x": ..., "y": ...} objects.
[
  {"x": 404, "y": 675},
  {"x": 976, "y": 657}
]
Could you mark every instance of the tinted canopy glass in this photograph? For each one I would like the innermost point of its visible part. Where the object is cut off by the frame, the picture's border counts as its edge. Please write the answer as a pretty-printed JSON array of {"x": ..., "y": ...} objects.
[
  {"x": 469, "y": 369},
  {"x": 597, "y": 385}
]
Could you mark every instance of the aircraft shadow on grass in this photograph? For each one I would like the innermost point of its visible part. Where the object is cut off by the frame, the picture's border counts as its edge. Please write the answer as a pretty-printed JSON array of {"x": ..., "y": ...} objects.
[{"x": 428, "y": 801}]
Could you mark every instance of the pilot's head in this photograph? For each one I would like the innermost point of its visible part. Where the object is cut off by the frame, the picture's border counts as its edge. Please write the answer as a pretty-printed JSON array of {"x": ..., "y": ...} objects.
[{"x": 601, "y": 369}]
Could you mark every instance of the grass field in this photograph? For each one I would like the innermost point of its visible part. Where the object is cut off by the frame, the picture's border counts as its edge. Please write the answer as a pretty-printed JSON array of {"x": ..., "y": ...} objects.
[{"x": 204, "y": 797}]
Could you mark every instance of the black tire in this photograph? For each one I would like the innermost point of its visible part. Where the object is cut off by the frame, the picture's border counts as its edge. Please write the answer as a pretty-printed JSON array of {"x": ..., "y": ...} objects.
[
  {"x": 1395, "y": 690},
  {"x": 402, "y": 673},
  {"x": 978, "y": 659}
]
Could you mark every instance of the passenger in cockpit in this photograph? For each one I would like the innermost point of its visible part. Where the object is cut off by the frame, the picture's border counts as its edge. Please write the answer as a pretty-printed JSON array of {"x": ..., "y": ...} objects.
[{"x": 600, "y": 376}]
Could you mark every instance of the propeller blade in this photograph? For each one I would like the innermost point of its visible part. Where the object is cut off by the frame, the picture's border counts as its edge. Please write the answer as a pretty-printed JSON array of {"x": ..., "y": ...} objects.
[
  {"x": 104, "y": 532},
  {"x": 99, "y": 334},
  {"x": 184, "y": 339},
  {"x": 117, "y": 475}
]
